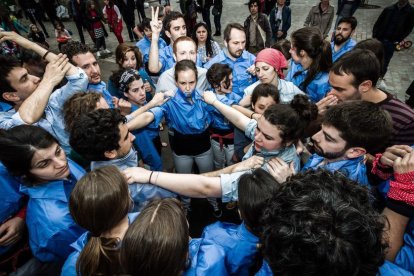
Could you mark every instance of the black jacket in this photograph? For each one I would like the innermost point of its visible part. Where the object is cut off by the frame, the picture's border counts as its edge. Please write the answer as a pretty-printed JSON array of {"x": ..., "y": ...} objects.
[
  {"x": 264, "y": 24},
  {"x": 401, "y": 22},
  {"x": 127, "y": 11}
]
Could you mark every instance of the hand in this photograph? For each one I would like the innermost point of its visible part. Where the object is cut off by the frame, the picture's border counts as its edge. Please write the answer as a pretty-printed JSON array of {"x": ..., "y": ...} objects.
[
  {"x": 209, "y": 97},
  {"x": 137, "y": 175},
  {"x": 280, "y": 170},
  {"x": 326, "y": 103},
  {"x": 253, "y": 162},
  {"x": 252, "y": 70},
  {"x": 405, "y": 164},
  {"x": 158, "y": 99},
  {"x": 56, "y": 69},
  {"x": 124, "y": 107},
  {"x": 147, "y": 86},
  {"x": 14, "y": 37},
  {"x": 156, "y": 25},
  {"x": 11, "y": 231},
  {"x": 300, "y": 147},
  {"x": 394, "y": 152}
]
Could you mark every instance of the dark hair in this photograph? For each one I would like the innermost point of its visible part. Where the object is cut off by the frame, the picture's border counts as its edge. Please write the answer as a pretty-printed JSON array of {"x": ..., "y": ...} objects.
[
  {"x": 74, "y": 48},
  {"x": 18, "y": 146},
  {"x": 185, "y": 65},
  {"x": 33, "y": 62},
  {"x": 361, "y": 124},
  {"x": 283, "y": 46},
  {"x": 60, "y": 24},
  {"x": 145, "y": 24},
  {"x": 217, "y": 73},
  {"x": 310, "y": 40},
  {"x": 293, "y": 118},
  {"x": 376, "y": 47},
  {"x": 251, "y": 2},
  {"x": 98, "y": 203},
  {"x": 173, "y": 15},
  {"x": 156, "y": 243},
  {"x": 78, "y": 104},
  {"x": 322, "y": 223},
  {"x": 111, "y": 3},
  {"x": 124, "y": 48},
  {"x": 229, "y": 27},
  {"x": 209, "y": 40},
  {"x": 96, "y": 132},
  {"x": 254, "y": 189},
  {"x": 362, "y": 64},
  {"x": 265, "y": 90},
  {"x": 7, "y": 64},
  {"x": 350, "y": 20}
]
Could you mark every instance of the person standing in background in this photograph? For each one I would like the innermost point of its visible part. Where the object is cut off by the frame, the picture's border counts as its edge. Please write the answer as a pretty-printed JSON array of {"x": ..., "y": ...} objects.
[
  {"x": 280, "y": 20},
  {"x": 321, "y": 17},
  {"x": 127, "y": 9},
  {"x": 258, "y": 32}
]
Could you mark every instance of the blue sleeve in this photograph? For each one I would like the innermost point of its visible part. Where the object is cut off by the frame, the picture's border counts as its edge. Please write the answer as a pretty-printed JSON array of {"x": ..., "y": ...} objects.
[
  {"x": 147, "y": 150},
  {"x": 317, "y": 90},
  {"x": 69, "y": 268},
  {"x": 113, "y": 90},
  {"x": 405, "y": 257},
  {"x": 388, "y": 269},
  {"x": 158, "y": 115}
]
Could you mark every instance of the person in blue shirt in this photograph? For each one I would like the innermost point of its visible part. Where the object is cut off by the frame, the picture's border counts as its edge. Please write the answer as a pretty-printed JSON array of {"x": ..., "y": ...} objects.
[
  {"x": 346, "y": 136},
  {"x": 81, "y": 55},
  {"x": 144, "y": 44},
  {"x": 241, "y": 243},
  {"x": 129, "y": 57},
  {"x": 322, "y": 223},
  {"x": 342, "y": 41},
  {"x": 100, "y": 203},
  {"x": 102, "y": 136},
  {"x": 312, "y": 60},
  {"x": 157, "y": 243},
  {"x": 34, "y": 100},
  {"x": 220, "y": 78},
  {"x": 235, "y": 55},
  {"x": 48, "y": 177},
  {"x": 280, "y": 19}
]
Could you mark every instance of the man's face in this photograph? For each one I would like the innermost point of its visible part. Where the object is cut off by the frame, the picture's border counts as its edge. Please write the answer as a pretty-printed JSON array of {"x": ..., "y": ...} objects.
[
  {"x": 186, "y": 50},
  {"x": 89, "y": 64},
  {"x": 125, "y": 141},
  {"x": 148, "y": 33},
  {"x": 342, "y": 87},
  {"x": 237, "y": 43},
  {"x": 23, "y": 83},
  {"x": 281, "y": 2},
  {"x": 329, "y": 144},
  {"x": 254, "y": 9},
  {"x": 343, "y": 33},
  {"x": 177, "y": 29}
]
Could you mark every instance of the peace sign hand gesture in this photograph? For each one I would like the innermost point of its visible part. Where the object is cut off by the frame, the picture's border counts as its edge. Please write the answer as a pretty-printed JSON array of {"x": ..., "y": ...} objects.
[{"x": 156, "y": 25}]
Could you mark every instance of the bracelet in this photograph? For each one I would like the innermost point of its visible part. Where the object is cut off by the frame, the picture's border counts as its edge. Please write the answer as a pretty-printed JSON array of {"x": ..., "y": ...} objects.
[
  {"x": 251, "y": 116},
  {"x": 45, "y": 55},
  {"x": 149, "y": 181}
]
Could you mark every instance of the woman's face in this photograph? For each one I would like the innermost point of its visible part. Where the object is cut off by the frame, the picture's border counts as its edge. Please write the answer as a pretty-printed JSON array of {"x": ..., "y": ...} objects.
[
  {"x": 296, "y": 58},
  {"x": 136, "y": 92},
  {"x": 106, "y": 2},
  {"x": 34, "y": 29},
  {"x": 265, "y": 72},
  {"x": 201, "y": 34},
  {"x": 50, "y": 164},
  {"x": 226, "y": 85},
  {"x": 129, "y": 61},
  {"x": 262, "y": 104},
  {"x": 186, "y": 81},
  {"x": 267, "y": 136}
]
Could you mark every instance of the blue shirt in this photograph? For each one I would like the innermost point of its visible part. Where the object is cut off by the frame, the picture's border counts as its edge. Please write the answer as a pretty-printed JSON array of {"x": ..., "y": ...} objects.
[
  {"x": 346, "y": 47},
  {"x": 241, "y": 78},
  {"x": 317, "y": 88},
  {"x": 239, "y": 244},
  {"x": 101, "y": 88},
  {"x": 5, "y": 106},
  {"x": 52, "y": 121},
  {"x": 219, "y": 121},
  {"x": 144, "y": 45},
  {"x": 141, "y": 194},
  {"x": 354, "y": 169},
  {"x": 183, "y": 116},
  {"x": 51, "y": 227},
  {"x": 405, "y": 257},
  {"x": 69, "y": 268}
]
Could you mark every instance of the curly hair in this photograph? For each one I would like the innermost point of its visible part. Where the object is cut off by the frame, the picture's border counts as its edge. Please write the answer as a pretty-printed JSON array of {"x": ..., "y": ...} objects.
[
  {"x": 96, "y": 132},
  {"x": 78, "y": 104},
  {"x": 322, "y": 223},
  {"x": 74, "y": 48},
  {"x": 7, "y": 64}
]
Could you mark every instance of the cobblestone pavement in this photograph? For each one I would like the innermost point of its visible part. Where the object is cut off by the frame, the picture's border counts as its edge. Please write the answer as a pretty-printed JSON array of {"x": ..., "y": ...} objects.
[{"x": 400, "y": 72}]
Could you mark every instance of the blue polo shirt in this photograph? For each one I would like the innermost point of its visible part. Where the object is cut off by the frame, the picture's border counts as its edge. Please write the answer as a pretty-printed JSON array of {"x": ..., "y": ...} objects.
[
  {"x": 348, "y": 46},
  {"x": 144, "y": 46}
]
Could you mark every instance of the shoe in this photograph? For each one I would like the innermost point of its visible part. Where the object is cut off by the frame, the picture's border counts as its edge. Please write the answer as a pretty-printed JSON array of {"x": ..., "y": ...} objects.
[
  {"x": 217, "y": 33},
  {"x": 106, "y": 51},
  {"x": 217, "y": 212},
  {"x": 98, "y": 54}
]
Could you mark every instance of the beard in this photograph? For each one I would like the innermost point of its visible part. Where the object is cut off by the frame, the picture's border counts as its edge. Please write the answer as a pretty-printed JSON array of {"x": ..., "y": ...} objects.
[
  {"x": 236, "y": 54},
  {"x": 339, "y": 39},
  {"x": 326, "y": 154}
]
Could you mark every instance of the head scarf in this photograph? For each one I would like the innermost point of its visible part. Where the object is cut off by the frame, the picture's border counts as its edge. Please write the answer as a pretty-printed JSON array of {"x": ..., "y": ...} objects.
[{"x": 274, "y": 58}]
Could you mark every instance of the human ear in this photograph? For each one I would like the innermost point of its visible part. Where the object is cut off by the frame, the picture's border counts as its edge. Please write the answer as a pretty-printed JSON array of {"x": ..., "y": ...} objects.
[
  {"x": 11, "y": 96},
  {"x": 355, "y": 152},
  {"x": 365, "y": 86},
  {"x": 110, "y": 154}
]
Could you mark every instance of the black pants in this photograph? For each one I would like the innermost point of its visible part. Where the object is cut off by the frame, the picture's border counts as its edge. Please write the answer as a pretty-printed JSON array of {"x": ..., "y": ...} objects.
[
  {"x": 33, "y": 17},
  {"x": 80, "y": 27},
  {"x": 389, "y": 48},
  {"x": 140, "y": 9},
  {"x": 206, "y": 18}
]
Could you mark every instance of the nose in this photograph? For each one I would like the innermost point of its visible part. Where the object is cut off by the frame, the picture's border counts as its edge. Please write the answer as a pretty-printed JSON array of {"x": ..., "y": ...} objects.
[
  {"x": 187, "y": 87},
  {"x": 316, "y": 137},
  {"x": 332, "y": 92},
  {"x": 131, "y": 137},
  {"x": 94, "y": 69},
  {"x": 60, "y": 162},
  {"x": 258, "y": 136}
]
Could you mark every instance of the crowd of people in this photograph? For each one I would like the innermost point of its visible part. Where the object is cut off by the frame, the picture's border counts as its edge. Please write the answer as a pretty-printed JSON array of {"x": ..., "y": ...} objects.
[{"x": 291, "y": 132}]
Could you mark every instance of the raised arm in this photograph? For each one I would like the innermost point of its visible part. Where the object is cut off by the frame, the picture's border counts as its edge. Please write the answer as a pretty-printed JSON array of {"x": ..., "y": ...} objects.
[
  {"x": 154, "y": 64},
  {"x": 234, "y": 116},
  {"x": 191, "y": 185},
  {"x": 30, "y": 45}
]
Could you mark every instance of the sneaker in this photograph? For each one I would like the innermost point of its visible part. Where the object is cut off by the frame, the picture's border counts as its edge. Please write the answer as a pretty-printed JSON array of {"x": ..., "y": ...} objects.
[
  {"x": 98, "y": 54},
  {"x": 217, "y": 212},
  {"x": 106, "y": 51}
]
